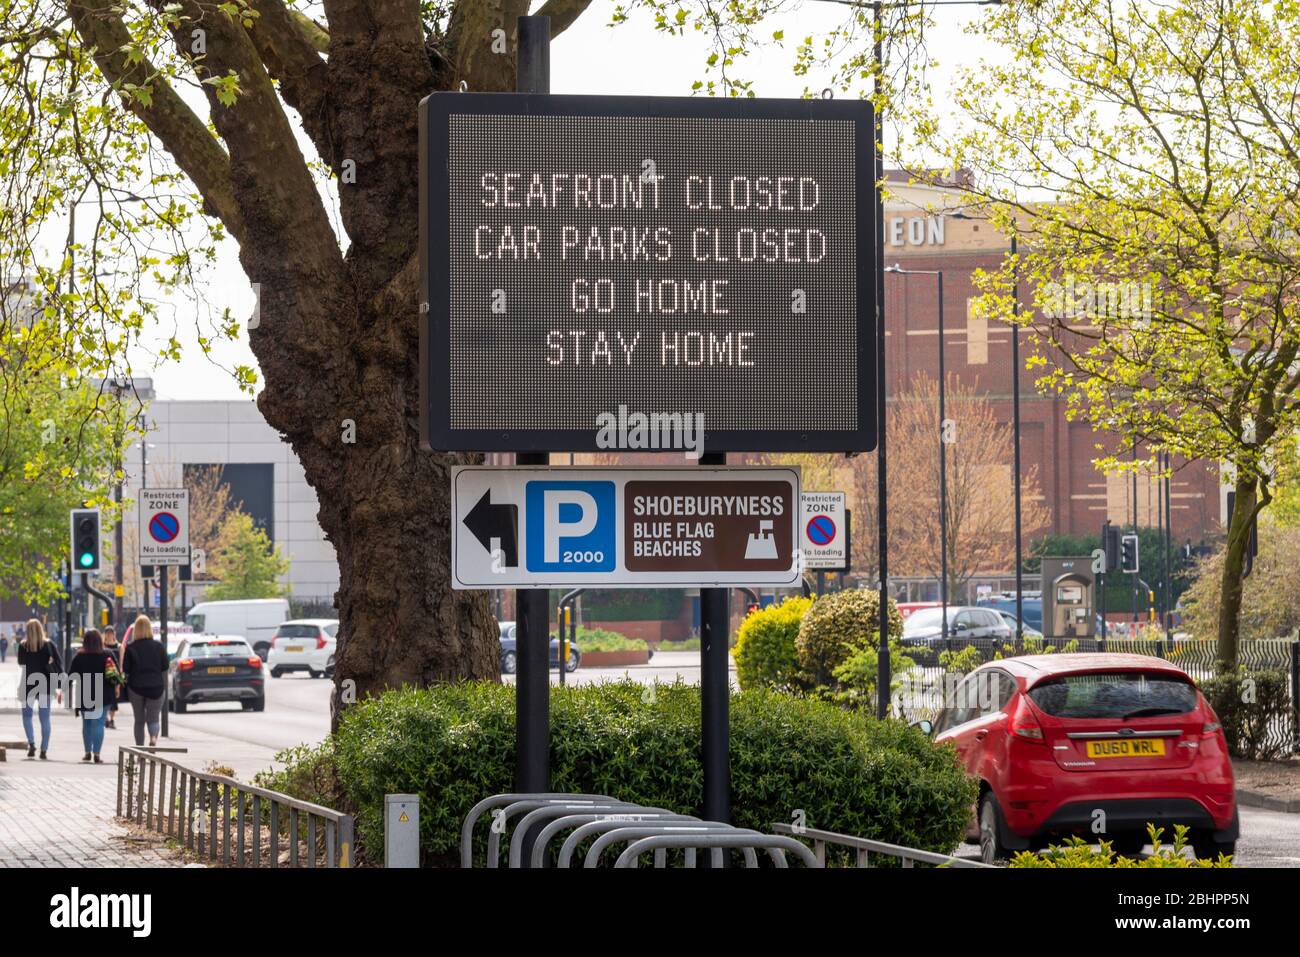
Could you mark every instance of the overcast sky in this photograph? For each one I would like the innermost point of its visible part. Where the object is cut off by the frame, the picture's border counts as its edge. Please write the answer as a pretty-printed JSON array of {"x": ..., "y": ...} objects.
[{"x": 590, "y": 57}]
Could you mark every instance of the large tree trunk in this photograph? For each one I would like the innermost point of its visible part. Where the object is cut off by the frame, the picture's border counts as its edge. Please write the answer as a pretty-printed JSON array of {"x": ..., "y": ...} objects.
[
  {"x": 351, "y": 415},
  {"x": 1234, "y": 562},
  {"x": 337, "y": 333}
]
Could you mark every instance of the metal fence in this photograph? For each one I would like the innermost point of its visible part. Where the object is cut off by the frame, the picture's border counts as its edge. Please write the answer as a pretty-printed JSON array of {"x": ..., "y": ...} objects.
[
  {"x": 863, "y": 848},
  {"x": 222, "y": 820},
  {"x": 924, "y": 688}
]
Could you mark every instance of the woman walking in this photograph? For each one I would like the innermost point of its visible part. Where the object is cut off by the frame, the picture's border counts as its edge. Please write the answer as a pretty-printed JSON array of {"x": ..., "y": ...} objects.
[
  {"x": 113, "y": 648},
  {"x": 145, "y": 666},
  {"x": 95, "y": 671},
  {"x": 39, "y": 660}
]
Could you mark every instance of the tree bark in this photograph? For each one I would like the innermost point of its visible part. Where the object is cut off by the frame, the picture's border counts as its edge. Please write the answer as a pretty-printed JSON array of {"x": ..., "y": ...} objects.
[{"x": 1234, "y": 562}]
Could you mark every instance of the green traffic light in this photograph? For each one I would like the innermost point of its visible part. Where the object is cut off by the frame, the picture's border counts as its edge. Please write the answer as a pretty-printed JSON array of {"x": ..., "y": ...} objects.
[{"x": 87, "y": 559}]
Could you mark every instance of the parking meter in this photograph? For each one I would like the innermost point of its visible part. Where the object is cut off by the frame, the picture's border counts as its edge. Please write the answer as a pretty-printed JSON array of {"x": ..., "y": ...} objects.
[{"x": 1069, "y": 589}]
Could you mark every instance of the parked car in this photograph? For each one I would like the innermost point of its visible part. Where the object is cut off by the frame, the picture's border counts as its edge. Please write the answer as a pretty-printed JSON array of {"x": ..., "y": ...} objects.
[
  {"x": 510, "y": 657},
  {"x": 215, "y": 668},
  {"x": 925, "y": 627},
  {"x": 906, "y": 608},
  {"x": 253, "y": 619},
  {"x": 1055, "y": 739},
  {"x": 1031, "y": 608},
  {"x": 1029, "y": 631},
  {"x": 305, "y": 644}
]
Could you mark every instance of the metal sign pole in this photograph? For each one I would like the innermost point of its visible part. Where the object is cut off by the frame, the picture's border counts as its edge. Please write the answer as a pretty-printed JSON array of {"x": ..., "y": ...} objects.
[
  {"x": 883, "y": 678},
  {"x": 532, "y": 680},
  {"x": 162, "y": 618},
  {"x": 715, "y": 692}
]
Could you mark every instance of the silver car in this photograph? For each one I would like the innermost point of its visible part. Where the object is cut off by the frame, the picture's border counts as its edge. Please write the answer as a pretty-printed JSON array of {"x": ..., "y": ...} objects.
[{"x": 925, "y": 626}]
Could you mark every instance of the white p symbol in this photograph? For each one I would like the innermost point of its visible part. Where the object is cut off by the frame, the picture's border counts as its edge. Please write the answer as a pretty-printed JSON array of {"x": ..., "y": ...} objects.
[{"x": 555, "y": 529}]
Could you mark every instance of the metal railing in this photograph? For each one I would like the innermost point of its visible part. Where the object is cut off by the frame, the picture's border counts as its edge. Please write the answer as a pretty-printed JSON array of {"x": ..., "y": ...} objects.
[
  {"x": 923, "y": 685},
  {"x": 863, "y": 848},
  {"x": 607, "y": 822},
  {"x": 222, "y": 820}
]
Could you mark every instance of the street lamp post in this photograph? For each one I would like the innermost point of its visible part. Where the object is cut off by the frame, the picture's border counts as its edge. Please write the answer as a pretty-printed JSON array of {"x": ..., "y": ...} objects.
[
  {"x": 1015, "y": 425},
  {"x": 943, "y": 444},
  {"x": 883, "y": 678},
  {"x": 118, "y": 386}
]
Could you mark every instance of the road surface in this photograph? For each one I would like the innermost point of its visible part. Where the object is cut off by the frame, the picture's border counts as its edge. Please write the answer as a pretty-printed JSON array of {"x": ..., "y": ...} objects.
[{"x": 297, "y": 712}]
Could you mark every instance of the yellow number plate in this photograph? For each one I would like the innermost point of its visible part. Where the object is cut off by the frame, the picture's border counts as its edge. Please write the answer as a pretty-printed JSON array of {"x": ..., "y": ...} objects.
[
  {"x": 227, "y": 670},
  {"x": 1127, "y": 748},
  {"x": 294, "y": 649}
]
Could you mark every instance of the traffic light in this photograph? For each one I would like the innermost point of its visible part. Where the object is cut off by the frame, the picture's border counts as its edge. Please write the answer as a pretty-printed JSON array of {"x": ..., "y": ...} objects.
[
  {"x": 85, "y": 540},
  {"x": 1110, "y": 544},
  {"x": 1128, "y": 554}
]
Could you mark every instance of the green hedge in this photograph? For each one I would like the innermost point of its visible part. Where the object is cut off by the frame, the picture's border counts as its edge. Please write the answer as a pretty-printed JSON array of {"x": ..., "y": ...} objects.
[
  {"x": 632, "y": 604},
  {"x": 1253, "y": 709},
  {"x": 791, "y": 759},
  {"x": 600, "y": 639}
]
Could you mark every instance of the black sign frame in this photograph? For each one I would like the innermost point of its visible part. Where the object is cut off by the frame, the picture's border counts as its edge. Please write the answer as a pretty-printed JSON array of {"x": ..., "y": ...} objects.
[{"x": 436, "y": 432}]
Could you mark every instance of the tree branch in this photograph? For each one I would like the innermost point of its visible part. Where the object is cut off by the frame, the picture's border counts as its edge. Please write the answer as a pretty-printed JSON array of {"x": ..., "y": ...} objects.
[
  {"x": 168, "y": 117},
  {"x": 562, "y": 13},
  {"x": 291, "y": 58}
]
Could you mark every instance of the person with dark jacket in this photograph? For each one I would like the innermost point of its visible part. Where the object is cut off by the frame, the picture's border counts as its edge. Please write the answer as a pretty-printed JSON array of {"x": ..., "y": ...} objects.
[
  {"x": 113, "y": 648},
  {"x": 41, "y": 667},
  {"x": 92, "y": 668},
  {"x": 145, "y": 667}
]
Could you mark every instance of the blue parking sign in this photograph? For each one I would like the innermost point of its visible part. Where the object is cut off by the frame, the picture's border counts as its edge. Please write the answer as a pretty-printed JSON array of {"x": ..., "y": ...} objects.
[{"x": 570, "y": 526}]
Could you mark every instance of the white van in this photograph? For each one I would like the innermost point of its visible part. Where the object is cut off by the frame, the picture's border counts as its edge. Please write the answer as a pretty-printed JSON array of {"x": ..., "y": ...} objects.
[{"x": 253, "y": 619}]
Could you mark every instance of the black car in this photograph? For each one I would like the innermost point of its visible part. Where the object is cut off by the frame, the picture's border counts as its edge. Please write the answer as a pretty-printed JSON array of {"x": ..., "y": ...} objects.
[
  {"x": 210, "y": 668},
  {"x": 510, "y": 659}
]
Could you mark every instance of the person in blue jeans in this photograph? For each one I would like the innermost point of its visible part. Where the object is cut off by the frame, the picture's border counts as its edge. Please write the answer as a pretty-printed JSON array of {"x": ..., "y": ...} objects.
[
  {"x": 90, "y": 668},
  {"x": 41, "y": 668}
]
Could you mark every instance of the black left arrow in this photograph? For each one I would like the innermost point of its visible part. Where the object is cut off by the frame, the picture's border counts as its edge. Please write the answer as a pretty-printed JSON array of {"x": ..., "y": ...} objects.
[{"x": 487, "y": 521}]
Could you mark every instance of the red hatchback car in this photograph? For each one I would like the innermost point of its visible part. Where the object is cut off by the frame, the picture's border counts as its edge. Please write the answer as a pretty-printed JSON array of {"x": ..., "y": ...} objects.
[{"x": 1097, "y": 745}]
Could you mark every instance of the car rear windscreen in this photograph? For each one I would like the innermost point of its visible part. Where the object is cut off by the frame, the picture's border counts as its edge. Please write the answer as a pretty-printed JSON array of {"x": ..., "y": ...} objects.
[
  {"x": 1117, "y": 694},
  {"x": 296, "y": 631},
  {"x": 219, "y": 649}
]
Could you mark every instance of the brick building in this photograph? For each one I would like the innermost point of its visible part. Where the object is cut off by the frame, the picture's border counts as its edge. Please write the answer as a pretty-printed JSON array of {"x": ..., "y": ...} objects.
[{"x": 977, "y": 352}]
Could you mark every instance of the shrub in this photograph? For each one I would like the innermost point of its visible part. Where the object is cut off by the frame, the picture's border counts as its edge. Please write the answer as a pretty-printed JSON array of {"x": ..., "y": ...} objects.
[
  {"x": 836, "y": 626},
  {"x": 600, "y": 639},
  {"x": 1250, "y": 706},
  {"x": 856, "y": 677},
  {"x": 961, "y": 662},
  {"x": 1076, "y": 852},
  {"x": 686, "y": 644},
  {"x": 791, "y": 758},
  {"x": 764, "y": 652}
]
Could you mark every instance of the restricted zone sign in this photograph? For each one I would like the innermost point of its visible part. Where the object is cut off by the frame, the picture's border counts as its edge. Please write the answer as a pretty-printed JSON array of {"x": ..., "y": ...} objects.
[
  {"x": 824, "y": 532},
  {"x": 585, "y": 256},
  {"x": 544, "y": 527},
  {"x": 164, "y": 526}
]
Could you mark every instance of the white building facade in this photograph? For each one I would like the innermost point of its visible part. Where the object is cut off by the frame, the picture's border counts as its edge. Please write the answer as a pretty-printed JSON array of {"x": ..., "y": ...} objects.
[{"x": 259, "y": 467}]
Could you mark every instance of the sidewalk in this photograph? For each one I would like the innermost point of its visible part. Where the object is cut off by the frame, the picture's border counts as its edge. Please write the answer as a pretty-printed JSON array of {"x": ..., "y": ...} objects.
[{"x": 60, "y": 812}]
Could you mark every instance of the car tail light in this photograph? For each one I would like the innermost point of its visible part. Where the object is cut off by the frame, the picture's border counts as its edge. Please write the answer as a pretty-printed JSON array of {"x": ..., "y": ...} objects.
[
  {"x": 1211, "y": 727},
  {"x": 185, "y": 664},
  {"x": 255, "y": 661},
  {"x": 320, "y": 641},
  {"x": 1024, "y": 725}
]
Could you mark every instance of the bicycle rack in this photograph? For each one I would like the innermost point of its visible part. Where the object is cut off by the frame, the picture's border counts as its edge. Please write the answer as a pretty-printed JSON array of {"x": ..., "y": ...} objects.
[{"x": 608, "y": 822}]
